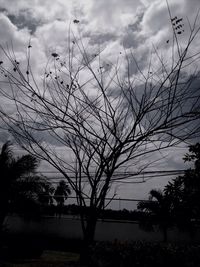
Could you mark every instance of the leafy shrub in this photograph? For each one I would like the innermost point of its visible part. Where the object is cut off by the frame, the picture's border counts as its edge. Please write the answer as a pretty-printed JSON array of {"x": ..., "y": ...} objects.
[{"x": 143, "y": 254}]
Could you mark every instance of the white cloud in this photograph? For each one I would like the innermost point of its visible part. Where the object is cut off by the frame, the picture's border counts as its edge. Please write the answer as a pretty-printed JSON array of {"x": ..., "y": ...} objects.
[{"x": 53, "y": 35}]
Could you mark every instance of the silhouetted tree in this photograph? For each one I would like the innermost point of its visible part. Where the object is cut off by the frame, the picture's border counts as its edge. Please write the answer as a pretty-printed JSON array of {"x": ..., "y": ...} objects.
[
  {"x": 20, "y": 186},
  {"x": 46, "y": 192},
  {"x": 105, "y": 118},
  {"x": 159, "y": 210},
  {"x": 179, "y": 203},
  {"x": 61, "y": 193},
  {"x": 184, "y": 191}
]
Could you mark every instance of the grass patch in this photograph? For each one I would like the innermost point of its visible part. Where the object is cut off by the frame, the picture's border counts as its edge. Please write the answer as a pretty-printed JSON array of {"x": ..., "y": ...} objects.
[
  {"x": 59, "y": 256},
  {"x": 47, "y": 259}
]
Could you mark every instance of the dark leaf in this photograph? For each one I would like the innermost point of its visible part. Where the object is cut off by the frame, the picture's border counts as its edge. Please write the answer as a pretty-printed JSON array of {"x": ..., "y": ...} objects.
[
  {"x": 55, "y": 55},
  {"x": 174, "y": 19}
]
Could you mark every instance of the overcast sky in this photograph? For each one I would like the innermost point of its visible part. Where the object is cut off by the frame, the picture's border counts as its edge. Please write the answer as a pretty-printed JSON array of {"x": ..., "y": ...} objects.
[{"x": 114, "y": 25}]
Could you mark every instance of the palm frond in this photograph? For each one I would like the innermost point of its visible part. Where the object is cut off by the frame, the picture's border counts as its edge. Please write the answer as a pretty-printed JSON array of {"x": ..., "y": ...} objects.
[
  {"x": 6, "y": 156},
  {"x": 156, "y": 194},
  {"x": 148, "y": 206},
  {"x": 24, "y": 165}
]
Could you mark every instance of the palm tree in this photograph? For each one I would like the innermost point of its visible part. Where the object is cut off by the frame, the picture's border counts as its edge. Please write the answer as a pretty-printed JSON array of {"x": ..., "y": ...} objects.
[
  {"x": 61, "y": 194},
  {"x": 159, "y": 210},
  {"x": 35, "y": 188},
  {"x": 19, "y": 184}
]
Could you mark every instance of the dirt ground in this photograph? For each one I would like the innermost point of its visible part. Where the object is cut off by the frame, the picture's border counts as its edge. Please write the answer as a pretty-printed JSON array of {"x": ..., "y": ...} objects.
[{"x": 47, "y": 259}]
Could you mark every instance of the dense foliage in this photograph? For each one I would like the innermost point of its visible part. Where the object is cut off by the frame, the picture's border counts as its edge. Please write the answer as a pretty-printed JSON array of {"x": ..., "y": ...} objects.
[
  {"x": 184, "y": 191},
  {"x": 179, "y": 203},
  {"x": 142, "y": 254},
  {"x": 21, "y": 189}
]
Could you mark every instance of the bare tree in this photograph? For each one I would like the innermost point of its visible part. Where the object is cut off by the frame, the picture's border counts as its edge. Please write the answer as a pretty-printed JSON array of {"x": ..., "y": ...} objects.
[{"x": 105, "y": 119}]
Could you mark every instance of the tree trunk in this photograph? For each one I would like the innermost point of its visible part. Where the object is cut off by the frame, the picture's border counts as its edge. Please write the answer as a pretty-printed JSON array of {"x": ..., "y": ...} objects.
[
  {"x": 90, "y": 230},
  {"x": 88, "y": 237},
  {"x": 165, "y": 236},
  {"x": 2, "y": 218}
]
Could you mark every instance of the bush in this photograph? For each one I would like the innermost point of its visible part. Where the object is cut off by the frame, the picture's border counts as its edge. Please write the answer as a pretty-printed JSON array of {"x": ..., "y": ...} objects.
[{"x": 143, "y": 254}]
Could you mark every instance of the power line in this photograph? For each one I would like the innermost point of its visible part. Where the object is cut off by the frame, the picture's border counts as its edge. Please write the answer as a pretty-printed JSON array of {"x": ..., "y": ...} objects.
[
  {"x": 119, "y": 173},
  {"x": 126, "y": 177},
  {"x": 107, "y": 198},
  {"x": 117, "y": 199}
]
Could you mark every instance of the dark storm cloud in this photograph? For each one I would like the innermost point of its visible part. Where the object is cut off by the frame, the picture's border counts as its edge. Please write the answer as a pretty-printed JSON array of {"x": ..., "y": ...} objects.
[
  {"x": 131, "y": 40},
  {"x": 22, "y": 19},
  {"x": 137, "y": 61},
  {"x": 102, "y": 38}
]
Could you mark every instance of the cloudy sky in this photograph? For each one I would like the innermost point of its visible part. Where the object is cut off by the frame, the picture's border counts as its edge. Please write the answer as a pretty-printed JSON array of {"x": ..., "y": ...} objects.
[{"x": 113, "y": 25}]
